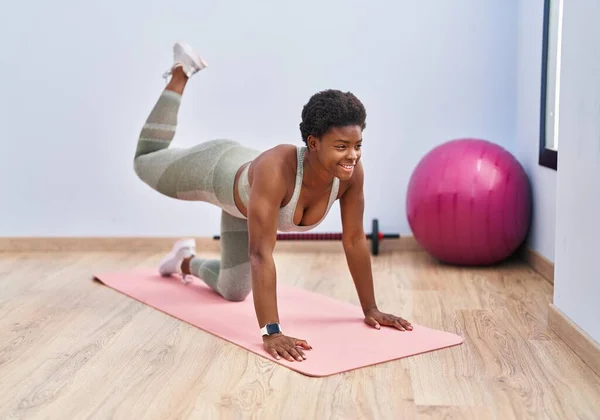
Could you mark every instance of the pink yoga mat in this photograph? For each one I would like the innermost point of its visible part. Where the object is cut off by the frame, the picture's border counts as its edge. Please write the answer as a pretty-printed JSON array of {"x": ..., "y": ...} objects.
[{"x": 340, "y": 339}]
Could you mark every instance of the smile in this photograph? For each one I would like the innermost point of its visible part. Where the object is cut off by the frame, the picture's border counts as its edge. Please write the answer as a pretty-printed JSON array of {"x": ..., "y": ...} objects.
[{"x": 347, "y": 167}]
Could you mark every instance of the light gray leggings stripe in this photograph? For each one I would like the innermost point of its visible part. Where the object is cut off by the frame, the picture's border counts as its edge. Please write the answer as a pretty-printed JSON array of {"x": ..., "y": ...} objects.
[{"x": 200, "y": 173}]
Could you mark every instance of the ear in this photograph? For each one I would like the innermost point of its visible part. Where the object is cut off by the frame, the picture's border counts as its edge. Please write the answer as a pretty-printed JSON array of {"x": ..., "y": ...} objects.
[{"x": 311, "y": 142}]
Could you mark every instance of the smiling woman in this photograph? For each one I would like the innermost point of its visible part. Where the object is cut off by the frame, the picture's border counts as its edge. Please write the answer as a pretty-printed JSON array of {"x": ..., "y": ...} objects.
[
  {"x": 286, "y": 188},
  {"x": 332, "y": 124},
  {"x": 337, "y": 149}
]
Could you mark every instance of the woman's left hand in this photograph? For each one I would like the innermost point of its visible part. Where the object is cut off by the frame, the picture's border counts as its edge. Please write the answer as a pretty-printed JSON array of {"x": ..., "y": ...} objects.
[{"x": 375, "y": 318}]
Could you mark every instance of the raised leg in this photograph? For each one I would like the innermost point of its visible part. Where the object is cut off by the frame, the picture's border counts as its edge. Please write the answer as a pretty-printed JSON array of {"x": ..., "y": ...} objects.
[{"x": 152, "y": 156}]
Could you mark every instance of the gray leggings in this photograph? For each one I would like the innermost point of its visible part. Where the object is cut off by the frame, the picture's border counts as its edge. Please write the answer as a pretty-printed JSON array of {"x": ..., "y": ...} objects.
[{"x": 204, "y": 172}]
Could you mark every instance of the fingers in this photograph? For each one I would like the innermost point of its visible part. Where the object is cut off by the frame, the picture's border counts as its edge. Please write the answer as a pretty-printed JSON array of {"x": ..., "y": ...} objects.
[
  {"x": 296, "y": 353},
  {"x": 303, "y": 344},
  {"x": 289, "y": 348},
  {"x": 286, "y": 355},
  {"x": 394, "y": 322},
  {"x": 389, "y": 321},
  {"x": 291, "y": 353},
  {"x": 372, "y": 322},
  {"x": 397, "y": 324},
  {"x": 274, "y": 353},
  {"x": 402, "y": 324}
]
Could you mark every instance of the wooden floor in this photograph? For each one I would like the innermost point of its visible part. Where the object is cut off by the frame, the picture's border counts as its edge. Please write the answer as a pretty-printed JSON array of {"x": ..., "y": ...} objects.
[{"x": 74, "y": 349}]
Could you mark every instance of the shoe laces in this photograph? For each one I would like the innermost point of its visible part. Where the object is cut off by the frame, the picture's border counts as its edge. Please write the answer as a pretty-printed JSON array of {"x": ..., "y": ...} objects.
[{"x": 169, "y": 72}]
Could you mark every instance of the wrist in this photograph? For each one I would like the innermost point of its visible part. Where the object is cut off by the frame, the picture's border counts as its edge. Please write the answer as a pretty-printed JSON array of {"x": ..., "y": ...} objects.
[
  {"x": 369, "y": 309},
  {"x": 270, "y": 337},
  {"x": 271, "y": 329}
]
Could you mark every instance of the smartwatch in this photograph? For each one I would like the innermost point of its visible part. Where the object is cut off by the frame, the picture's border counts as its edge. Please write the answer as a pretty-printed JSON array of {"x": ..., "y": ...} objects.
[{"x": 270, "y": 329}]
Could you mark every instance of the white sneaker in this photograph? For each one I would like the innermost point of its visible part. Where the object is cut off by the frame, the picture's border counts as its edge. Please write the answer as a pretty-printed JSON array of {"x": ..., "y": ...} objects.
[
  {"x": 171, "y": 263},
  {"x": 184, "y": 56}
]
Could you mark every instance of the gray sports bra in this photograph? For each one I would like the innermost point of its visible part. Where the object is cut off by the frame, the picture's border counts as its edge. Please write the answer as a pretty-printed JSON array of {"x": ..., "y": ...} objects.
[{"x": 285, "y": 222}]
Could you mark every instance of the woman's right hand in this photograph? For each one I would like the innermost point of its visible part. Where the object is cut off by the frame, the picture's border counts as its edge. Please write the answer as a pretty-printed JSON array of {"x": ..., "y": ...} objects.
[{"x": 290, "y": 348}]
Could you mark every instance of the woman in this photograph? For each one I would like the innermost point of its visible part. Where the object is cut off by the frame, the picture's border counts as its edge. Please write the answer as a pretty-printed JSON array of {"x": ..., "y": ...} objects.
[{"x": 286, "y": 188}]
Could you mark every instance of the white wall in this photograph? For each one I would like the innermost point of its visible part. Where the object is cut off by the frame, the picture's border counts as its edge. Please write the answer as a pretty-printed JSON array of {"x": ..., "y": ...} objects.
[
  {"x": 577, "y": 273},
  {"x": 78, "y": 80},
  {"x": 543, "y": 180}
]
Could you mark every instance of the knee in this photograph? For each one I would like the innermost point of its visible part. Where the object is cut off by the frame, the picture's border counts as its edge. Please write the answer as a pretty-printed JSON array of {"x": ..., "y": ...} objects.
[
  {"x": 141, "y": 174},
  {"x": 137, "y": 167},
  {"x": 145, "y": 173},
  {"x": 235, "y": 294}
]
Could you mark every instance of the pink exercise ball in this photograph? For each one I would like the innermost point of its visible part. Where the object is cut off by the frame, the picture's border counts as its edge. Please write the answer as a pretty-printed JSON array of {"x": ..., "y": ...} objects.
[{"x": 469, "y": 203}]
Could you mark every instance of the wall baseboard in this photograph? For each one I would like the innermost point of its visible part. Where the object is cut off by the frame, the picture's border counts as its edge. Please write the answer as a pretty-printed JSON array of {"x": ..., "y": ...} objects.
[
  {"x": 159, "y": 244},
  {"x": 538, "y": 262},
  {"x": 578, "y": 340}
]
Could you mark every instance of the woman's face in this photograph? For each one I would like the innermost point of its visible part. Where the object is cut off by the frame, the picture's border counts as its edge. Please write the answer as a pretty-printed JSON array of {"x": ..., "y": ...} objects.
[{"x": 338, "y": 150}]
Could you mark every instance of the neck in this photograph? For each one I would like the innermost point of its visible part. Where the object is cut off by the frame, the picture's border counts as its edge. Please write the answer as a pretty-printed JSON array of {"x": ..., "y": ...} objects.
[{"x": 315, "y": 175}]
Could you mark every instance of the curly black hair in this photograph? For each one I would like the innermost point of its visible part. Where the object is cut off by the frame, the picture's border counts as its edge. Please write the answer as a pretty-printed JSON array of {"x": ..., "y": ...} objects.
[{"x": 331, "y": 108}]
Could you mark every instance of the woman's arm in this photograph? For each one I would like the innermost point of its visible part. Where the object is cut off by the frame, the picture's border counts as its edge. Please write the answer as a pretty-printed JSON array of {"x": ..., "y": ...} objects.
[
  {"x": 267, "y": 192},
  {"x": 355, "y": 242},
  {"x": 266, "y": 195},
  {"x": 358, "y": 256}
]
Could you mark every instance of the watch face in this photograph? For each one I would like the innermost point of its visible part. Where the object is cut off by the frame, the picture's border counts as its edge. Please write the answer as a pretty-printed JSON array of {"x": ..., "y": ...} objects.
[{"x": 273, "y": 329}]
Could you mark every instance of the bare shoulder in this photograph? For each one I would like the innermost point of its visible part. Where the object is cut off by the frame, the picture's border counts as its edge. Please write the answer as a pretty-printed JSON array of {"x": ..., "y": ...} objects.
[
  {"x": 278, "y": 156},
  {"x": 273, "y": 169}
]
